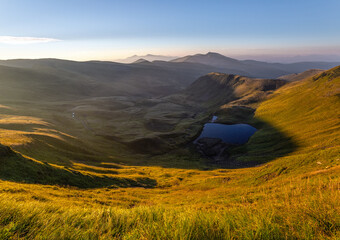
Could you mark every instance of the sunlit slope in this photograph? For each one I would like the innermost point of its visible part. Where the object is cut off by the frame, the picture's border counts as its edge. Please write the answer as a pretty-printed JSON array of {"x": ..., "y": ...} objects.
[
  {"x": 17, "y": 168},
  {"x": 306, "y": 114}
]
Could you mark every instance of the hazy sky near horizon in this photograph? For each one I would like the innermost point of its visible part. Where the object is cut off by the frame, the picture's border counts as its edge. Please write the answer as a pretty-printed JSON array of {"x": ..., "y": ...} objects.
[{"x": 110, "y": 29}]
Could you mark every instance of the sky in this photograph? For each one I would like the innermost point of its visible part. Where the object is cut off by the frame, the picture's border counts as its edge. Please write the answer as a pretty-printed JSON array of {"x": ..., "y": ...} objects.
[{"x": 110, "y": 29}]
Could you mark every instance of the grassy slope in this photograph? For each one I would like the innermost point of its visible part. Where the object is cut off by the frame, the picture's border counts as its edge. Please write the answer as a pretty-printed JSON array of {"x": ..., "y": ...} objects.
[
  {"x": 294, "y": 196},
  {"x": 14, "y": 167},
  {"x": 307, "y": 114}
]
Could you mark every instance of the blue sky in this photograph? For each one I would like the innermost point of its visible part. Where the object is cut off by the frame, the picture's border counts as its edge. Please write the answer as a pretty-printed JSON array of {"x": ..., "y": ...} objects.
[{"x": 110, "y": 29}]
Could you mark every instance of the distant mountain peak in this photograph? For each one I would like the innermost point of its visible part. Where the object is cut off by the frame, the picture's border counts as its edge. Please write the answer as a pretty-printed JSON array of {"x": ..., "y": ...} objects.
[
  {"x": 148, "y": 57},
  {"x": 210, "y": 58},
  {"x": 141, "y": 60},
  {"x": 214, "y": 54}
]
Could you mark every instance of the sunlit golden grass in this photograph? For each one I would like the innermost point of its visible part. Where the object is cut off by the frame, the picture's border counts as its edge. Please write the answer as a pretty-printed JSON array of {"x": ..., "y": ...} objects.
[
  {"x": 12, "y": 119},
  {"x": 18, "y": 130},
  {"x": 298, "y": 211},
  {"x": 13, "y": 137}
]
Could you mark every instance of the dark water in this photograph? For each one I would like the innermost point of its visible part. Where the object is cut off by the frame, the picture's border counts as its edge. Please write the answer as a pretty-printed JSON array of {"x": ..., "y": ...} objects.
[{"x": 234, "y": 134}]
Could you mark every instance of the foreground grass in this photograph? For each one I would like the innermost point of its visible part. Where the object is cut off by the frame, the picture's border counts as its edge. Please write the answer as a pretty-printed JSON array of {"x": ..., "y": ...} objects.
[{"x": 312, "y": 216}]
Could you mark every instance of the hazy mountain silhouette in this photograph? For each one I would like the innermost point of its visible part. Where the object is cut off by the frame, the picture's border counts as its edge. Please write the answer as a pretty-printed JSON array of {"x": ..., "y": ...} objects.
[
  {"x": 300, "y": 76},
  {"x": 141, "y": 60},
  {"x": 253, "y": 68},
  {"x": 148, "y": 57},
  {"x": 140, "y": 79}
]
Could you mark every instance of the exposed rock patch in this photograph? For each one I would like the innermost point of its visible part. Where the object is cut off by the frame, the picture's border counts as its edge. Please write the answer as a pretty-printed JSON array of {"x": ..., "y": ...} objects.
[{"x": 213, "y": 148}]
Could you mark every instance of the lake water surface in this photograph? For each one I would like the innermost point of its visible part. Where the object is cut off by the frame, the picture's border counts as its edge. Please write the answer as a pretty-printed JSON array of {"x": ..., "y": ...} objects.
[{"x": 233, "y": 134}]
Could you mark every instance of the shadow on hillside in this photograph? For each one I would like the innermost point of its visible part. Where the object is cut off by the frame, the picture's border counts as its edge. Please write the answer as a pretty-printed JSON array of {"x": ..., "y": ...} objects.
[
  {"x": 267, "y": 144},
  {"x": 14, "y": 167}
]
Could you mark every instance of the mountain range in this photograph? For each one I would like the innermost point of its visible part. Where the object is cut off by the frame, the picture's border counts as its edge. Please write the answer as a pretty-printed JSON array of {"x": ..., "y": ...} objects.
[
  {"x": 253, "y": 68},
  {"x": 142, "y": 78},
  {"x": 148, "y": 57}
]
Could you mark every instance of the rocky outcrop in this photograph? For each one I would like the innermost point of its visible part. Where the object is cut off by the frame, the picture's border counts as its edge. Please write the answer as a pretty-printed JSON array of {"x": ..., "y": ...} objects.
[{"x": 213, "y": 148}]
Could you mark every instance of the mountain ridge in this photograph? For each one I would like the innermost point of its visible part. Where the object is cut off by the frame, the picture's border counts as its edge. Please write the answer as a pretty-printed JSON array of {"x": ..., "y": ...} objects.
[
  {"x": 253, "y": 67},
  {"x": 300, "y": 76},
  {"x": 148, "y": 57},
  {"x": 220, "y": 88},
  {"x": 194, "y": 65}
]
